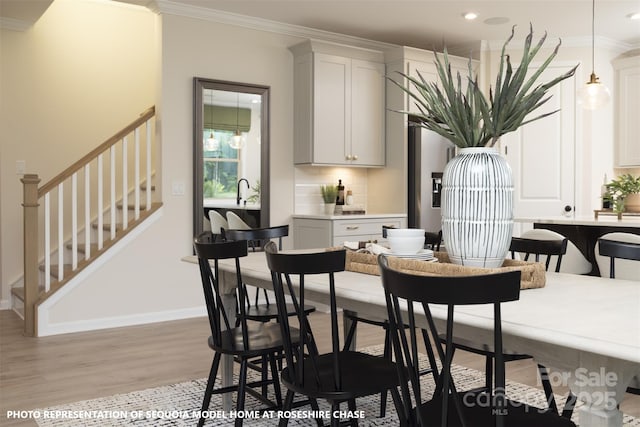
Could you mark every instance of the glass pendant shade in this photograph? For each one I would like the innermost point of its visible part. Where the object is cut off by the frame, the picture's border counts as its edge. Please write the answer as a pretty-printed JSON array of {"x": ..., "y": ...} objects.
[
  {"x": 211, "y": 143},
  {"x": 238, "y": 140},
  {"x": 593, "y": 94}
]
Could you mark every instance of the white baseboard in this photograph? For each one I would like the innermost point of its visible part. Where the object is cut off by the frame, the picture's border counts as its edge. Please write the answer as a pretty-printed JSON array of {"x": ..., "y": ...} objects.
[{"x": 120, "y": 321}]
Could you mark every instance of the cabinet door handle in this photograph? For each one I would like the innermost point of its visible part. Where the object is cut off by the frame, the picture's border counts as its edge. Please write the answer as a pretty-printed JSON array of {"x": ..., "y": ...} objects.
[
  {"x": 354, "y": 157},
  {"x": 352, "y": 227},
  {"x": 347, "y": 157}
]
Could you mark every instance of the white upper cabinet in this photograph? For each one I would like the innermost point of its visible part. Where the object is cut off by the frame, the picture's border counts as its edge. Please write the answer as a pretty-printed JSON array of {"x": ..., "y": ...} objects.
[
  {"x": 627, "y": 109},
  {"x": 339, "y": 105},
  {"x": 428, "y": 71}
]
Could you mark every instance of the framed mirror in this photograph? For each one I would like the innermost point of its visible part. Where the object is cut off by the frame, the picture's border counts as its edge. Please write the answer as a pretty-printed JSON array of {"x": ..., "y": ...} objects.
[{"x": 230, "y": 152}]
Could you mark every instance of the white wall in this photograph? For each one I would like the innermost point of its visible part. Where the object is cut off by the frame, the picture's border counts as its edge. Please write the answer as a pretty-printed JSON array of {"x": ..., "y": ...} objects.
[
  {"x": 67, "y": 84},
  {"x": 147, "y": 280},
  {"x": 72, "y": 80},
  {"x": 594, "y": 129}
]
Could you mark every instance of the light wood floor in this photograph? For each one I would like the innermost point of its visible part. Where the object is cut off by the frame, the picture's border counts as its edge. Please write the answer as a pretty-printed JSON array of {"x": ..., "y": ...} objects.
[{"x": 41, "y": 372}]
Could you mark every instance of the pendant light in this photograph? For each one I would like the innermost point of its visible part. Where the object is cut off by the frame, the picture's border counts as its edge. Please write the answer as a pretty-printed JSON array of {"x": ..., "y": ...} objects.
[
  {"x": 593, "y": 94},
  {"x": 238, "y": 140},
  {"x": 211, "y": 143}
]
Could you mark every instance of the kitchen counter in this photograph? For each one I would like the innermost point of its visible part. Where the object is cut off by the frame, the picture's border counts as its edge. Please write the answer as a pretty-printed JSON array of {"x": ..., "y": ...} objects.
[
  {"x": 603, "y": 220},
  {"x": 348, "y": 216},
  {"x": 318, "y": 231},
  {"x": 230, "y": 204},
  {"x": 584, "y": 232}
]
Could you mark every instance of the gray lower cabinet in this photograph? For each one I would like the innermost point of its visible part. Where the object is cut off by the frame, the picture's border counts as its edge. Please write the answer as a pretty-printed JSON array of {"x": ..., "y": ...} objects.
[{"x": 318, "y": 232}]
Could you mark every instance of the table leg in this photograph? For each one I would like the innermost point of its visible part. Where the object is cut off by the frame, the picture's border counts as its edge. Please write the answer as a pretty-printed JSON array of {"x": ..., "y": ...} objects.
[{"x": 601, "y": 390}]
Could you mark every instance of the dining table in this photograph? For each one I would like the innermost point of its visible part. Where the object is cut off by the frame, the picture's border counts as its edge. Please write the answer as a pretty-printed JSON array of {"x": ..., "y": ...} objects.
[{"x": 585, "y": 329}]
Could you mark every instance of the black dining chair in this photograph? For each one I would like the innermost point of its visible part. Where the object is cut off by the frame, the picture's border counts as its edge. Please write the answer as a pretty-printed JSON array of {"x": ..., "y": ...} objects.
[
  {"x": 620, "y": 250},
  {"x": 339, "y": 376},
  {"x": 432, "y": 240},
  {"x": 257, "y": 238},
  {"x": 408, "y": 298},
  {"x": 244, "y": 341},
  {"x": 527, "y": 247}
]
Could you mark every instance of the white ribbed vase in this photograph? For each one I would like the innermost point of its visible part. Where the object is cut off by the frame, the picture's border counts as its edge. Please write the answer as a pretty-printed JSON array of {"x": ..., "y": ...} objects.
[{"x": 477, "y": 207}]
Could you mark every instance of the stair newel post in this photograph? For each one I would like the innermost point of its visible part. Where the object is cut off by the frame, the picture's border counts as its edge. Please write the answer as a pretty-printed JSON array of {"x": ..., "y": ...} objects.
[{"x": 30, "y": 235}]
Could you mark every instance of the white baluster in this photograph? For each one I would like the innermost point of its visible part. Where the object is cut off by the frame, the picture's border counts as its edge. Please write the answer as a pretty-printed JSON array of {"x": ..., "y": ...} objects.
[
  {"x": 136, "y": 175},
  {"x": 125, "y": 190},
  {"x": 100, "y": 202},
  {"x": 47, "y": 242},
  {"x": 112, "y": 208},
  {"x": 87, "y": 211},
  {"x": 149, "y": 164},
  {"x": 74, "y": 221},
  {"x": 60, "y": 232}
]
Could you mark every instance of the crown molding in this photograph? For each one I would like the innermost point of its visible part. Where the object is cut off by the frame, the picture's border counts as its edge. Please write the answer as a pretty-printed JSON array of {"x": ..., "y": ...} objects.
[
  {"x": 585, "y": 41},
  {"x": 221, "y": 17},
  {"x": 14, "y": 24}
]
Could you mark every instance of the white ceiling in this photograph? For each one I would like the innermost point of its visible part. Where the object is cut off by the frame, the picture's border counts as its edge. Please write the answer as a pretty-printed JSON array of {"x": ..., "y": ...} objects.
[
  {"x": 425, "y": 24},
  {"x": 429, "y": 24}
]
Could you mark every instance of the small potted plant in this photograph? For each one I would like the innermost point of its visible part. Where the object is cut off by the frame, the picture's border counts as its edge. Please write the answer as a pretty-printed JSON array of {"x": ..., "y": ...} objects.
[
  {"x": 329, "y": 195},
  {"x": 624, "y": 193}
]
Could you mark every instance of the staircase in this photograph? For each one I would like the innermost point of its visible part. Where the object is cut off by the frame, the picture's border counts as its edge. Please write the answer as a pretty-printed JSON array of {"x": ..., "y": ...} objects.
[{"x": 80, "y": 214}]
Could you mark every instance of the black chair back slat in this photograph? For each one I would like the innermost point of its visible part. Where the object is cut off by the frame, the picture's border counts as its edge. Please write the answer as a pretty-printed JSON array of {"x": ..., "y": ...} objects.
[
  {"x": 540, "y": 247},
  {"x": 209, "y": 248},
  {"x": 337, "y": 376},
  {"x": 615, "y": 249},
  {"x": 283, "y": 267},
  {"x": 403, "y": 291},
  {"x": 260, "y": 235},
  {"x": 452, "y": 290}
]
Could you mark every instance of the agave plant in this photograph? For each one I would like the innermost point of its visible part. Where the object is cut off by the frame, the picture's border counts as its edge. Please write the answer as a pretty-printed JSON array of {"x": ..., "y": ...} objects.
[{"x": 465, "y": 116}]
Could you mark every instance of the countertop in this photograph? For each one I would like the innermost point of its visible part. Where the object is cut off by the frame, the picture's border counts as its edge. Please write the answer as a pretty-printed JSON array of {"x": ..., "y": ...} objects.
[
  {"x": 603, "y": 220},
  {"x": 230, "y": 204},
  {"x": 348, "y": 216}
]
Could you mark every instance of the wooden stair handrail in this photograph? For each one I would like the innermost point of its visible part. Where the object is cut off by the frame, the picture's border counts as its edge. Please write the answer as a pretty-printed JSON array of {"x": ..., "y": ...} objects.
[{"x": 51, "y": 184}]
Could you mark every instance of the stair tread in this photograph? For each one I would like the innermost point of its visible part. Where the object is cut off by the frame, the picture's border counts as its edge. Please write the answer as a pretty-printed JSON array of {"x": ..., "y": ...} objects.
[
  {"x": 54, "y": 269},
  {"x": 132, "y": 206},
  {"x": 18, "y": 292},
  {"x": 107, "y": 226},
  {"x": 82, "y": 247}
]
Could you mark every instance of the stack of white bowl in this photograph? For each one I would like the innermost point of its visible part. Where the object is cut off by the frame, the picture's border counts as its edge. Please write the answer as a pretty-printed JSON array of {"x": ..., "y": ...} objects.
[{"x": 405, "y": 241}]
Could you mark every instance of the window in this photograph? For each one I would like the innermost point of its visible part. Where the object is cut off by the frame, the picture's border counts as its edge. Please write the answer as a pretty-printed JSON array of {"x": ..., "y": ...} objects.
[{"x": 221, "y": 165}]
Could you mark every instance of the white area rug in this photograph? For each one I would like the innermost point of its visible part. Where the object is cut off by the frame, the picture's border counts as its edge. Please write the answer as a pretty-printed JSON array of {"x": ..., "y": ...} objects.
[{"x": 179, "y": 405}]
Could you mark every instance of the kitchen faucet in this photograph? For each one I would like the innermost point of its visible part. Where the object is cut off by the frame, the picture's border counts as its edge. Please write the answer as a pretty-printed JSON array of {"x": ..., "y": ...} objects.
[{"x": 238, "y": 198}]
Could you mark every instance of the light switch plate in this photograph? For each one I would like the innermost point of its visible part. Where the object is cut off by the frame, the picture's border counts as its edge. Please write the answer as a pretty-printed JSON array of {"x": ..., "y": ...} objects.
[
  {"x": 177, "y": 188},
  {"x": 21, "y": 167}
]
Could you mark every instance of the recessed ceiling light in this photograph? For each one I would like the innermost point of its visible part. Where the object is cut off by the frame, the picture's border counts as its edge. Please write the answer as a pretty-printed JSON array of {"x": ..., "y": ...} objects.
[
  {"x": 470, "y": 16},
  {"x": 634, "y": 15},
  {"x": 497, "y": 20}
]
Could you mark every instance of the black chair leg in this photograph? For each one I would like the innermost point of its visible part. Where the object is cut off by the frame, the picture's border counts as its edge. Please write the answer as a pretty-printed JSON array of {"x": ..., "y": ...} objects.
[
  {"x": 242, "y": 384},
  {"x": 265, "y": 376},
  {"x": 569, "y": 405},
  {"x": 352, "y": 407},
  {"x": 548, "y": 390},
  {"x": 488, "y": 373},
  {"x": 431, "y": 357},
  {"x": 387, "y": 355},
  {"x": 288, "y": 404},
  {"x": 335, "y": 408},
  {"x": 209, "y": 389},
  {"x": 276, "y": 381}
]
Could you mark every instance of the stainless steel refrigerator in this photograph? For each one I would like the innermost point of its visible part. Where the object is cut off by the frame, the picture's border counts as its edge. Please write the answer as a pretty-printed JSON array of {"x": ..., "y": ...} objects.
[{"x": 428, "y": 154}]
